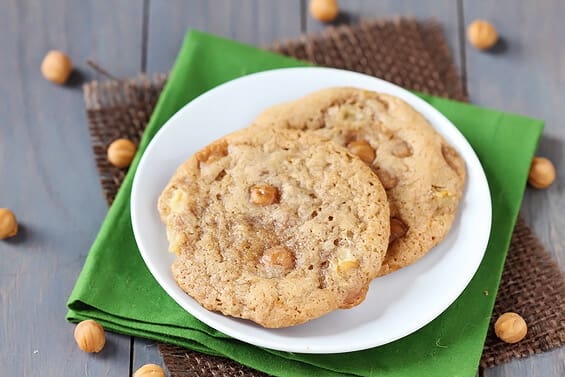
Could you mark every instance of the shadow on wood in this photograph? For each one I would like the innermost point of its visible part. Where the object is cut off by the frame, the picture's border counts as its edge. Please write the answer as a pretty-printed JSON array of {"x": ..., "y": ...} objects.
[{"x": 19, "y": 238}]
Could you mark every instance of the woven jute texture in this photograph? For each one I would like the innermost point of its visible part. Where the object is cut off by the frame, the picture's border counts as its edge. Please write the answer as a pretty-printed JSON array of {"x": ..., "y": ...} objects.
[{"x": 409, "y": 53}]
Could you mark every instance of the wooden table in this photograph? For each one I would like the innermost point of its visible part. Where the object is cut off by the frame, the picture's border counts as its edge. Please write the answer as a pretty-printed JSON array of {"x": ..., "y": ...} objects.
[{"x": 47, "y": 172}]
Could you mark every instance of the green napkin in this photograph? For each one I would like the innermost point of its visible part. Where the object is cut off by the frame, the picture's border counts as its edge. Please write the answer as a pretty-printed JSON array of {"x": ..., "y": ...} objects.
[{"x": 116, "y": 288}]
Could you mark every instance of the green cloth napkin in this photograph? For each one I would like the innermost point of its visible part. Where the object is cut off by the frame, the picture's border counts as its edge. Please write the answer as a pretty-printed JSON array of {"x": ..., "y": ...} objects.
[{"x": 116, "y": 289}]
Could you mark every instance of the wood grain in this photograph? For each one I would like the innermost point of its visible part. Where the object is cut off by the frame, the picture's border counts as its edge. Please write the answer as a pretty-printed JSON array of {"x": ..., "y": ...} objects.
[
  {"x": 255, "y": 22},
  {"x": 48, "y": 178},
  {"x": 525, "y": 74}
]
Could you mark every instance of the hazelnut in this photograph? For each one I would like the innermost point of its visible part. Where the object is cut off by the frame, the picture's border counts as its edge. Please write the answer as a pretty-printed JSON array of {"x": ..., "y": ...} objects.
[
  {"x": 363, "y": 150},
  {"x": 121, "y": 153},
  {"x": 482, "y": 34},
  {"x": 324, "y": 10},
  {"x": 542, "y": 173},
  {"x": 90, "y": 336},
  {"x": 56, "y": 67},
  {"x": 149, "y": 370},
  {"x": 8, "y": 224},
  {"x": 510, "y": 327},
  {"x": 263, "y": 194}
]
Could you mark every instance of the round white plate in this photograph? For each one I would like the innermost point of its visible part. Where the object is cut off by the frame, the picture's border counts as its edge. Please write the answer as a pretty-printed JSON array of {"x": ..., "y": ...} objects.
[{"x": 397, "y": 304}]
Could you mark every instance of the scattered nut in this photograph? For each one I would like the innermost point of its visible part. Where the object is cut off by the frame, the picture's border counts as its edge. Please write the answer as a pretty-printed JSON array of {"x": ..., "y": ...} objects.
[
  {"x": 149, "y": 370},
  {"x": 510, "y": 327},
  {"x": 56, "y": 67},
  {"x": 397, "y": 229},
  {"x": 542, "y": 173},
  {"x": 363, "y": 150},
  {"x": 324, "y": 10},
  {"x": 8, "y": 224},
  {"x": 263, "y": 194},
  {"x": 121, "y": 153},
  {"x": 90, "y": 336},
  {"x": 482, "y": 34}
]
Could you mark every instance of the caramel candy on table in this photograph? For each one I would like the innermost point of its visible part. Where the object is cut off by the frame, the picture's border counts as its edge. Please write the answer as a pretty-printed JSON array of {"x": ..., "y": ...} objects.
[
  {"x": 324, "y": 10},
  {"x": 8, "y": 224},
  {"x": 542, "y": 173},
  {"x": 121, "y": 153},
  {"x": 56, "y": 67},
  {"x": 482, "y": 34},
  {"x": 90, "y": 336},
  {"x": 149, "y": 370},
  {"x": 510, "y": 327}
]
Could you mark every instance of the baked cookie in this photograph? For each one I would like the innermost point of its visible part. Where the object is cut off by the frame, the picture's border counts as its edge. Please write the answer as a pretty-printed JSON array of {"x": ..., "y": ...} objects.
[
  {"x": 276, "y": 227},
  {"x": 423, "y": 175}
]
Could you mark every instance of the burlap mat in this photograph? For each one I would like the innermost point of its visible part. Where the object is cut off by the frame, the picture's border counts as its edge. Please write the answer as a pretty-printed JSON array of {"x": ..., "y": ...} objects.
[{"x": 412, "y": 54}]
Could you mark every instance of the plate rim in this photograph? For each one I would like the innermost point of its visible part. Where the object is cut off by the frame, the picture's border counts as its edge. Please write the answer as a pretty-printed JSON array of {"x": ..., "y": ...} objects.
[{"x": 408, "y": 97}]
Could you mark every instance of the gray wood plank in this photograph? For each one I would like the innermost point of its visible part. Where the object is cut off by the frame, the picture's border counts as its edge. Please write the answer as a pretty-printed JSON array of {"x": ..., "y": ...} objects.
[
  {"x": 549, "y": 364},
  {"x": 445, "y": 11},
  {"x": 524, "y": 74},
  {"x": 256, "y": 22},
  {"x": 48, "y": 178}
]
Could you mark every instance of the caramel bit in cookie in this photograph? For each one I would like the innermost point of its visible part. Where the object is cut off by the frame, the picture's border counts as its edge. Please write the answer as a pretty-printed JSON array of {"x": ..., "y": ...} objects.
[
  {"x": 213, "y": 152},
  {"x": 346, "y": 262},
  {"x": 279, "y": 256},
  {"x": 355, "y": 298},
  {"x": 441, "y": 192},
  {"x": 263, "y": 194},
  {"x": 452, "y": 158},
  {"x": 344, "y": 266},
  {"x": 397, "y": 229},
  {"x": 401, "y": 149},
  {"x": 388, "y": 180},
  {"x": 363, "y": 150}
]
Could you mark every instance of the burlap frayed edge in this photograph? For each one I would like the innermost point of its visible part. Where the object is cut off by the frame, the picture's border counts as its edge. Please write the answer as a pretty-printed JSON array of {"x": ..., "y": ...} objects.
[{"x": 118, "y": 109}]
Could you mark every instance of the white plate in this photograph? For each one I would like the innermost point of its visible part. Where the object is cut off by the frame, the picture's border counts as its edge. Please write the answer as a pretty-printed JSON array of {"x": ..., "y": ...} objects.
[{"x": 397, "y": 304}]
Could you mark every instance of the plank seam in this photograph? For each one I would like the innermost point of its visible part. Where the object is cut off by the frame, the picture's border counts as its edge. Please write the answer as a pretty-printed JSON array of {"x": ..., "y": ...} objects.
[
  {"x": 144, "y": 35},
  {"x": 462, "y": 45},
  {"x": 131, "y": 355},
  {"x": 303, "y": 16}
]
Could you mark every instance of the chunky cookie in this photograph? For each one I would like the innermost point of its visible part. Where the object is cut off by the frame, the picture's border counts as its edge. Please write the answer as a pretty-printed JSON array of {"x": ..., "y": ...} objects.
[
  {"x": 277, "y": 227},
  {"x": 422, "y": 174}
]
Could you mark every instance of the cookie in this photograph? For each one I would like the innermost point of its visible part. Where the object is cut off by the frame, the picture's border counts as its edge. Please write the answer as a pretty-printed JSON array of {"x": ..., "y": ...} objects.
[
  {"x": 423, "y": 175},
  {"x": 277, "y": 227}
]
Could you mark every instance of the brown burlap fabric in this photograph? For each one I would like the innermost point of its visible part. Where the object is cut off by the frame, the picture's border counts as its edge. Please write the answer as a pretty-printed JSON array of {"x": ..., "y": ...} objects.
[{"x": 412, "y": 54}]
